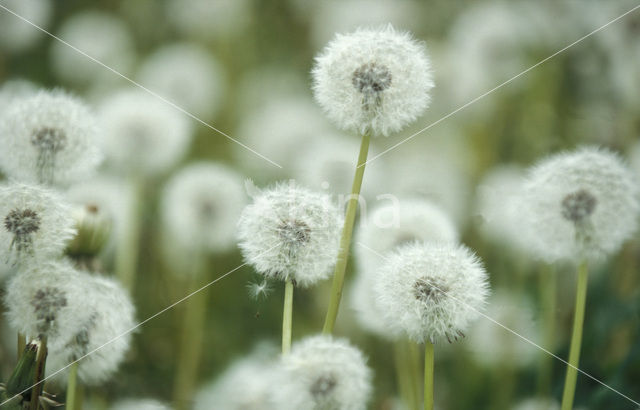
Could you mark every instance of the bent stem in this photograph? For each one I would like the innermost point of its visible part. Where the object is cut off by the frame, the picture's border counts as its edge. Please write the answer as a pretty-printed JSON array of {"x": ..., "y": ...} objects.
[
  {"x": 22, "y": 343},
  {"x": 345, "y": 239},
  {"x": 287, "y": 316},
  {"x": 71, "y": 387},
  {"x": 38, "y": 384},
  {"x": 428, "y": 375},
  {"x": 576, "y": 338}
]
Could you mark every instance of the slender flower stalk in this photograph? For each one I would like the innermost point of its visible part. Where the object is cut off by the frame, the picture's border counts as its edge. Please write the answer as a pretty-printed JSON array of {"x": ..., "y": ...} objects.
[
  {"x": 38, "y": 383},
  {"x": 287, "y": 316},
  {"x": 576, "y": 338},
  {"x": 22, "y": 343},
  {"x": 345, "y": 239},
  {"x": 71, "y": 387},
  {"x": 428, "y": 375}
]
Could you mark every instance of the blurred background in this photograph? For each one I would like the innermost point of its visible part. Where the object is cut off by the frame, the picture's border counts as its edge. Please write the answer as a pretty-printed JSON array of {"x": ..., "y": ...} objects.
[{"x": 243, "y": 66}]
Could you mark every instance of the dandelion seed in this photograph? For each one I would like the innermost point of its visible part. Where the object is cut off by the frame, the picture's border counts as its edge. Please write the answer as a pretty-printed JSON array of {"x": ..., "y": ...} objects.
[
  {"x": 49, "y": 138},
  {"x": 580, "y": 205},
  {"x": 430, "y": 292},
  {"x": 145, "y": 135},
  {"x": 324, "y": 373},
  {"x": 373, "y": 80},
  {"x": 36, "y": 223},
  {"x": 291, "y": 233},
  {"x": 187, "y": 75},
  {"x": 259, "y": 290}
]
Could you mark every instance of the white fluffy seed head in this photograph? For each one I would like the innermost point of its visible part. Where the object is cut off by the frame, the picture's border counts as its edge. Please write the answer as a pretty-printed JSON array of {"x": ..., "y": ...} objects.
[
  {"x": 430, "y": 292},
  {"x": 49, "y": 138},
  {"x": 248, "y": 384},
  {"x": 108, "y": 315},
  {"x": 373, "y": 80},
  {"x": 290, "y": 232},
  {"x": 36, "y": 224},
  {"x": 497, "y": 205},
  {"x": 392, "y": 225},
  {"x": 103, "y": 36},
  {"x": 580, "y": 205},
  {"x": 17, "y": 35},
  {"x": 491, "y": 345},
  {"x": 321, "y": 373},
  {"x": 201, "y": 207},
  {"x": 47, "y": 299},
  {"x": 143, "y": 134},
  {"x": 187, "y": 75},
  {"x": 139, "y": 404}
]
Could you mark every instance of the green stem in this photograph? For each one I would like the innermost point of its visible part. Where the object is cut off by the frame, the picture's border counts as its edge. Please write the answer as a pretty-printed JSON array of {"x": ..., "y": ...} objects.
[
  {"x": 38, "y": 384},
  {"x": 22, "y": 343},
  {"x": 287, "y": 316},
  {"x": 191, "y": 342},
  {"x": 428, "y": 375},
  {"x": 345, "y": 240},
  {"x": 126, "y": 260},
  {"x": 548, "y": 291},
  {"x": 71, "y": 387},
  {"x": 576, "y": 338}
]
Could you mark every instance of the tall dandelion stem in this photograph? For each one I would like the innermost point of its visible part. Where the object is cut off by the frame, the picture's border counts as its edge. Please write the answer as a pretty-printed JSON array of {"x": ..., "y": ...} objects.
[
  {"x": 22, "y": 343},
  {"x": 428, "y": 375},
  {"x": 38, "y": 384},
  {"x": 287, "y": 316},
  {"x": 345, "y": 240},
  {"x": 71, "y": 387},
  {"x": 576, "y": 338}
]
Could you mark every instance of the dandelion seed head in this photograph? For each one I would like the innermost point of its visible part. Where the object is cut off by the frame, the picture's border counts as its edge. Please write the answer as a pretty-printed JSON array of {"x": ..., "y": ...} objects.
[
  {"x": 187, "y": 75},
  {"x": 15, "y": 34},
  {"x": 103, "y": 36},
  {"x": 580, "y": 205},
  {"x": 36, "y": 224},
  {"x": 109, "y": 314},
  {"x": 430, "y": 292},
  {"x": 145, "y": 135},
  {"x": 373, "y": 80},
  {"x": 201, "y": 207},
  {"x": 47, "y": 299},
  {"x": 49, "y": 138},
  {"x": 290, "y": 232},
  {"x": 391, "y": 225},
  {"x": 322, "y": 372}
]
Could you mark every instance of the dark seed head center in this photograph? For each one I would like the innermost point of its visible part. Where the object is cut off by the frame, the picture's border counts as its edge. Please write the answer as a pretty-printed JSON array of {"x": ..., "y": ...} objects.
[
  {"x": 371, "y": 78},
  {"x": 428, "y": 290},
  {"x": 49, "y": 139},
  {"x": 22, "y": 222},
  {"x": 294, "y": 232},
  {"x": 323, "y": 386},
  {"x": 578, "y": 206}
]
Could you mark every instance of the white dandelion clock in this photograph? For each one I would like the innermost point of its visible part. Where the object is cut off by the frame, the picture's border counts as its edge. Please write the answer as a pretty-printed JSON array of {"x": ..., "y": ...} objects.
[
  {"x": 187, "y": 75},
  {"x": 580, "y": 205},
  {"x": 390, "y": 226},
  {"x": 49, "y": 138},
  {"x": 322, "y": 372},
  {"x": 201, "y": 207},
  {"x": 47, "y": 300},
  {"x": 102, "y": 36},
  {"x": 246, "y": 385},
  {"x": 36, "y": 224},
  {"x": 16, "y": 34},
  {"x": 291, "y": 233},
  {"x": 102, "y": 339},
  {"x": 431, "y": 292},
  {"x": 143, "y": 134},
  {"x": 373, "y": 80},
  {"x": 140, "y": 404},
  {"x": 13, "y": 90},
  {"x": 492, "y": 346}
]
